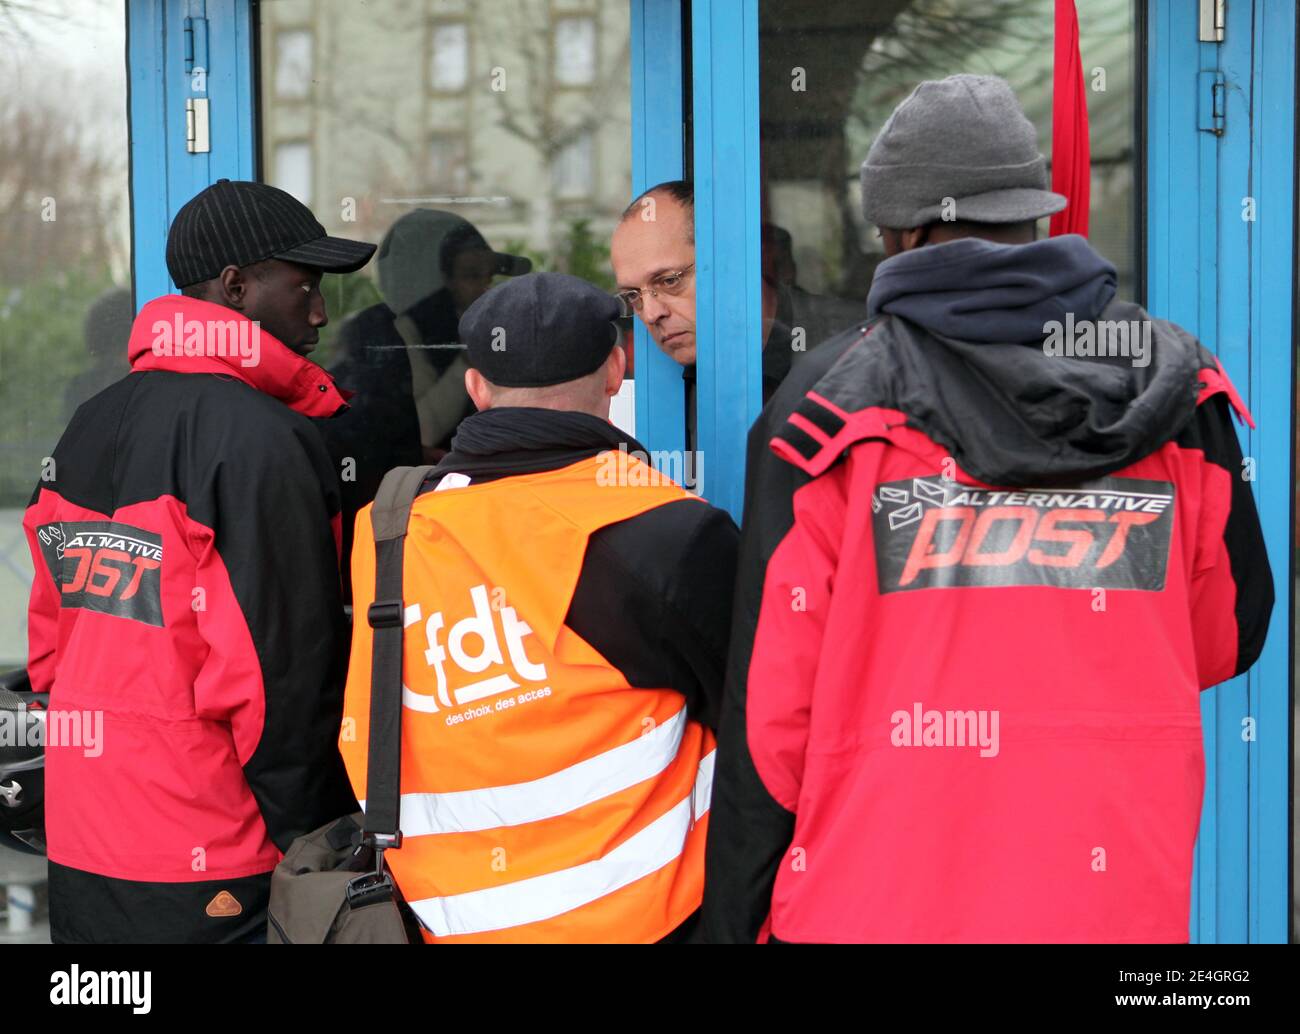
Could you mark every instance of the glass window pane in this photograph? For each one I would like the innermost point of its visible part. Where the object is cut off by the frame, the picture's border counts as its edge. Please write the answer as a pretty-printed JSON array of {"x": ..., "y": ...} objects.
[
  {"x": 832, "y": 74},
  {"x": 447, "y": 165},
  {"x": 293, "y": 162},
  {"x": 575, "y": 51},
  {"x": 449, "y": 134},
  {"x": 65, "y": 268},
  {"x": 293, "y": 64},
  {"x": 574, "y": 171},
  {"x": 450, "y": 64}
]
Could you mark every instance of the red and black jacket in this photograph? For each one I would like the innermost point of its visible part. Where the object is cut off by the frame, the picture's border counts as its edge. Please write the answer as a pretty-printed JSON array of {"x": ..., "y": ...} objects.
[
  {"x": 186, "y": 607},
  {"x": 938, "y": 532}
]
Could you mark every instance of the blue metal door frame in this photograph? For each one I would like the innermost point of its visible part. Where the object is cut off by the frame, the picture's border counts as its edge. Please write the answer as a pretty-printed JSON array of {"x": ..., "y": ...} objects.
[
  {"x": 728, "y": 255},
  {"x": 728, "y": 247},
  {"x": 179, "y": 50},
  {"x": 658, "y": 107},
  {"x": 1229, "y": 279}
]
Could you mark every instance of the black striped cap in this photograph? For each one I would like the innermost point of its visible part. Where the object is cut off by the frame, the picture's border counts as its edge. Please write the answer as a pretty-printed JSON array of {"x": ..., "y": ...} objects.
[{"x": 238, "y": 223}]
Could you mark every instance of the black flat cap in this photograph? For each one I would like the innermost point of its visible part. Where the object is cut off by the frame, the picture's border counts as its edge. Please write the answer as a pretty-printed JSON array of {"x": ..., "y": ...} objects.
[
  {"x": 239, "y": 223},
  {"x": 540, "y": 329}
]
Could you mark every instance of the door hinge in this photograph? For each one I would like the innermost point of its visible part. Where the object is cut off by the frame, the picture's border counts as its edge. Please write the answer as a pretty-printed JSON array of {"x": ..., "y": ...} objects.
[
  {"x": 197, "y": 138},
  {"x": 1214, "y": 20},
  {"x": 1211, "y": 104},
  {"x": 196, "y": 44},
  {"x": 197, "y": 135}
]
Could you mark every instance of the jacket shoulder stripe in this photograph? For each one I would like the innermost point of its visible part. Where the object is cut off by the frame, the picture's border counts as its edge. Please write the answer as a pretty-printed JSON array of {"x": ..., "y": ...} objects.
[
  {"x": 1216, "y": 380},
  {"x": 805, "y": 446},
  {"x": 795, "y": 444},
  {"x": 824, "y": 414},
  {"x": 808, "y": 427}
]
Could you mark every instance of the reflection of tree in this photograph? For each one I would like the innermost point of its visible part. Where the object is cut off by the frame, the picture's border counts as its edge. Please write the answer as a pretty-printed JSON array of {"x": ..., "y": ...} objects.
[
  {"x": 580, "y": 252},
  {"x": 536, "y": 107},
  {"x": 930, "y": 39},
  {"x": 46, "y": 156},
  {"x": 860, "y": 60},
  {"x": 50, "y": 270},
  {"x": 18, "y": 19},
  {"x": 62, "y": 198},
  {"x": 356, "y": 102}
]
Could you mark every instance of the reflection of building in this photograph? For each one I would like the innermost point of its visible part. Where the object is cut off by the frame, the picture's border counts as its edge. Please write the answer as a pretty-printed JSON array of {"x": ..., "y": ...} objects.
[{"x": 523, "y": 107}]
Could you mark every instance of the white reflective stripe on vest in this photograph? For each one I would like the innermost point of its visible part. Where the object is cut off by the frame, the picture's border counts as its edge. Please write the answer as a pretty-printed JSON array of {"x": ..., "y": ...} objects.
[
  {"x": 552, "y": 894},
  {"x": 466, "y": 811}
]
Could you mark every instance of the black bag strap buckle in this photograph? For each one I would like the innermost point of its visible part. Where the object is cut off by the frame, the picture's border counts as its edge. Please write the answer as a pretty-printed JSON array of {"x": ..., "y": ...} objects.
[
  {"x": 383, "y": 841},
  {"x": 369, "y": 888},
  {"x": 385, "y": 614}
]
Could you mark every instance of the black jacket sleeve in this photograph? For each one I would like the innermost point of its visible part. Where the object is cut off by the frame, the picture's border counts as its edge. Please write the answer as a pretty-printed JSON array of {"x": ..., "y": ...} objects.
[
  {"x": 270, "y": 500},
  {"x": 1232, "y": 584},
  {"x": 654, "y": 598},
  {"x": 749, "y": 831}
]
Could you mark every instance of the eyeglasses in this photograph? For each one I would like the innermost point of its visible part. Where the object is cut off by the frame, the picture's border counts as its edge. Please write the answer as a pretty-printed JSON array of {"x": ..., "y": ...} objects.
[{"x": 671, "y": 284}]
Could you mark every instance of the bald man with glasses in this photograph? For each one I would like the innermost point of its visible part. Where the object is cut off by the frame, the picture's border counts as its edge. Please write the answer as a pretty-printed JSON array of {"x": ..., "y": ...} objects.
[{"x": 653, "y": 255}]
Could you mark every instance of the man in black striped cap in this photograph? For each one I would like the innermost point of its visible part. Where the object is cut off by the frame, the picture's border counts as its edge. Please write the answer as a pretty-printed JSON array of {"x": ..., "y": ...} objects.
[
  {"x": 186, "y": 597},
  {"x": 258, "y": 250}
]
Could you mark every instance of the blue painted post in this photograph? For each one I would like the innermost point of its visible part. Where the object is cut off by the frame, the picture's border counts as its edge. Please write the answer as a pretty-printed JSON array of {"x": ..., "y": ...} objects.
[
  {"x": 146, "y": 60},
  {"x": 1206, "y": 264},
  {"x": 164, "y": 175},
  {"x": 1263, "y": 42},
  {"x": 728, "y": 247},
  {"x": 657, "y": 107}
]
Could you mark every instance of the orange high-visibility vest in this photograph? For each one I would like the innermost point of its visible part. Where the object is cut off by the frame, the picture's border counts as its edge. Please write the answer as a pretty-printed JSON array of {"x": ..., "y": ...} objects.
[{"x": 543, "y": 797}]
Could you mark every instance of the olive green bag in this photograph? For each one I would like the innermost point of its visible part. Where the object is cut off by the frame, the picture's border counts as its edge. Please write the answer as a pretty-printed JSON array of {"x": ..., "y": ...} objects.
[{"x": 331, "y": 887}]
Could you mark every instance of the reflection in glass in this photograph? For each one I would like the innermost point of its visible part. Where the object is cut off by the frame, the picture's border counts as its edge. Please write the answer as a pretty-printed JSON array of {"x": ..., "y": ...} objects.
[
  {"x": 450, "y": 65},
  {"x": 468, "y": 144},
  {"x": 830, "y": 76},
  {"x": 447, "y": 171},
  {"x": 293, "y": 163},
  {"x": 402, "y": 355},
  {"x": 575, "y": 51},
  {"x": 293, "y": 64},
  {"x": 573, "y": 168},
  {"x": 65, "y": 268}
]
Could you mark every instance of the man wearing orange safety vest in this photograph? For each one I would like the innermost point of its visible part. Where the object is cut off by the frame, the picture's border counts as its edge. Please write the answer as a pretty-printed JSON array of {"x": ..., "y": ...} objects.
[{"x": 566, "y": 621}]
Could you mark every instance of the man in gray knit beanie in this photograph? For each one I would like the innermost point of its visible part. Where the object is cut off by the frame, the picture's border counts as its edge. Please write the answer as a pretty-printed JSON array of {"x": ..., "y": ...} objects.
[
  {"x": 941, "y": 494},
  {"x": 957, "y": 158}
]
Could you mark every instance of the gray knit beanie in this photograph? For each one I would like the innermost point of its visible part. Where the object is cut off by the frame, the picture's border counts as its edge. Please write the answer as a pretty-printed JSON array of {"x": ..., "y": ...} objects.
[{"x": 963, "y": 138}]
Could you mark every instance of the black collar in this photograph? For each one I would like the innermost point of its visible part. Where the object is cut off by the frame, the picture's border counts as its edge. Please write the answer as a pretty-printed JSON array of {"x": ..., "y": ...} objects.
[{"x": 499, "y": 443}]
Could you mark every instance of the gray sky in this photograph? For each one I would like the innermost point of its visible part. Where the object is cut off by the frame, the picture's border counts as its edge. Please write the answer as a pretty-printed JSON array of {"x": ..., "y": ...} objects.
[{"x": 69, "y": 48}]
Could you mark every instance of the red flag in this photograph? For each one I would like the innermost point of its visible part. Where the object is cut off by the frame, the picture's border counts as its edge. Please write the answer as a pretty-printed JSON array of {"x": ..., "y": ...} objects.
[{"x": 1071, "y": 155}]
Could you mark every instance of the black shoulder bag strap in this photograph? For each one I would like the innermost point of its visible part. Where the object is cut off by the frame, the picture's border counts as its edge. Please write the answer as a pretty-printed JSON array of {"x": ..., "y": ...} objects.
[{"x": 388, "y": 515}]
